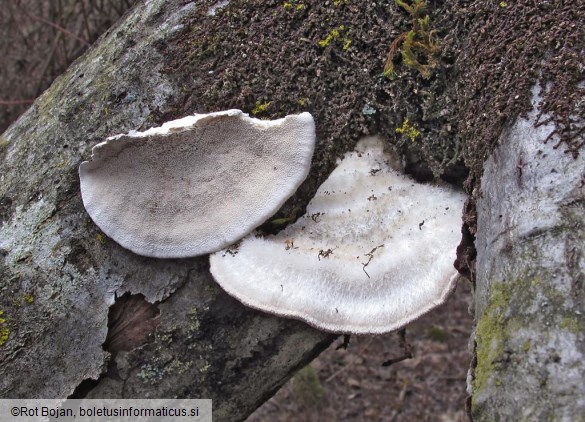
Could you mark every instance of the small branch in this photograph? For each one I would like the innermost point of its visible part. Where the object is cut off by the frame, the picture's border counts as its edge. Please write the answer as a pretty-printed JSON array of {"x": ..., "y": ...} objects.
[
  {"x": 58, "y": 28},
  {"x": 345, "y": 343},
  {"x": 406, "y": 347},
  {"x": 350, "y": 364},
  {"x": 15, "y": 102},
  {"x": 371, "y": 256}
]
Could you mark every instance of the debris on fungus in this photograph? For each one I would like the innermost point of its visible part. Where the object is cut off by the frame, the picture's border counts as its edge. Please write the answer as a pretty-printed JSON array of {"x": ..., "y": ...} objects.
[{"x": 352, "y": 263}]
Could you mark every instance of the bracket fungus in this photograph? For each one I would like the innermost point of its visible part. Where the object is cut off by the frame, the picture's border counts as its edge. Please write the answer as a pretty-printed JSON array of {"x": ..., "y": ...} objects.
[
  {"x": 374, "y": 251},
  {"x": 197, "y": 184}
]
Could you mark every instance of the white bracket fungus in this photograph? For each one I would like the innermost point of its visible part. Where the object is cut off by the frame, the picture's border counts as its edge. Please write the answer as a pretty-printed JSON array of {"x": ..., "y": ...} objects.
[
  {"x": 374, "y": 251},
  {"x": 197, "y": 184}
]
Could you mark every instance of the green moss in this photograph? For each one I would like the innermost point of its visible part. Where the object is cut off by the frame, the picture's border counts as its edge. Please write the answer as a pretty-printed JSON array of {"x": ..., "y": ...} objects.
[
  {"x": 47, "y": 101},
  {"x": 408, "y": 130},
  {"x": 491, "y": 334},
  {"x": 418, "y": 47},
  {"x": 346, "y": 43},
  {"x": 416, "y": 9},
  {"x": 438, "y": 334},
  {"x": 573, "y": 324},
  {"x": 3, "y": 142},
  {"x": 308, "y": 388},
  {"x": 28, "y": 298},
  {"x": 334, "y": 35},
  {"x": 4, "y": 329},
  {"x": 495, "y": 328},
  {"x": 292, "y": 5},
  {"x": 260, "y": 107},
  {"x": 389, "y": 72}
]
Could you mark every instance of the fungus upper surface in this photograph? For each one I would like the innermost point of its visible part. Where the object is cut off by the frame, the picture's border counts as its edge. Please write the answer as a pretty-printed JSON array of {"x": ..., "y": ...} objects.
[
  {"x": 197, "y": 184},
  {"x": 374, "y": 251}
]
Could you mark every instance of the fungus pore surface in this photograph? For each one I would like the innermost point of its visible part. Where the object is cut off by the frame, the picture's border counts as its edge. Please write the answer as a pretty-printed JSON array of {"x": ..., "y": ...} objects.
[
  {"x": 374, "y": 251},
  {"x": 197, "y": 184}
]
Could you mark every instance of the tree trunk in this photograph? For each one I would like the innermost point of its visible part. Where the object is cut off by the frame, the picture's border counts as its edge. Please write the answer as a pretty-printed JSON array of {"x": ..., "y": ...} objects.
[
  {"x": 77, "y": 307},
  {"x": 60, "y": 275},
  {"x": 529, "y": 298}
]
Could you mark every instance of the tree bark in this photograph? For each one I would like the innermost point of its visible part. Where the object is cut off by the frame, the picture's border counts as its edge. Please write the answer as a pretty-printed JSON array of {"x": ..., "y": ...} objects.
[
  {"x": 60, "y": 275},
  {"x": 529, "y": 297},
  {"x": 65, "y": 286}
]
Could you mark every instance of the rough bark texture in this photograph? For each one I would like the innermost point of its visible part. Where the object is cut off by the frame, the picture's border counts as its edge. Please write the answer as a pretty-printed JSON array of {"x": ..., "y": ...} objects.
[
  {"x": 530, "y": 298},
  {"x": 59, "y": 274}
]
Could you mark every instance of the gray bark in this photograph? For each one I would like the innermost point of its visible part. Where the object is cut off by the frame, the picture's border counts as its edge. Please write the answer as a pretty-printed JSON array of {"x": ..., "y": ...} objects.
[
  {"x": 529, "y": 298},
  {"x": 59, "y": 274}
]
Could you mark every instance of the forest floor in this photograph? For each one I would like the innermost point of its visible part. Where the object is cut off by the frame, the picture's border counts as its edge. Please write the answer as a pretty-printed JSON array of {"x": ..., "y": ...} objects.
[{"x": 352, "y": 384}]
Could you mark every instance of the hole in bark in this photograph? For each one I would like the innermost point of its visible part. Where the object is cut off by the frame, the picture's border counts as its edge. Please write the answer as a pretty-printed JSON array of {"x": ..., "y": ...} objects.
[
  {"x": 132, "y": 322},
  {"x": 84, "y": 388}
]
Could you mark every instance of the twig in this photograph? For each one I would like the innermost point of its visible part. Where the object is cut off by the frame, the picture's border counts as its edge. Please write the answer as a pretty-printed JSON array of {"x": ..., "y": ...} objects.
[
  {"x": 406, "y": 347},
  {"x": 85, "y": 20},
  {"x": 58, "y": 28},
  {"x": 350, "y": 364},
  {"x": 15, "y": 102},
  {"x": 371, "y": 256},
  {"x": 47, "y": 63},
  {"x": 345, "y": 344}
]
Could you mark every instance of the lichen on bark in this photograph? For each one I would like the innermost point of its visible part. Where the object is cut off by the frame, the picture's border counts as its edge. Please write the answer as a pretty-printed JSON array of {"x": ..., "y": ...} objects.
[{"x": 529, "y": 296}]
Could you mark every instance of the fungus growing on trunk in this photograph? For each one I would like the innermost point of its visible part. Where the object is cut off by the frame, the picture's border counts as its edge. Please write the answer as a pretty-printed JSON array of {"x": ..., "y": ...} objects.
[
  {"x": 374, "y": 251},
  {"x": 197, "y": 184}
]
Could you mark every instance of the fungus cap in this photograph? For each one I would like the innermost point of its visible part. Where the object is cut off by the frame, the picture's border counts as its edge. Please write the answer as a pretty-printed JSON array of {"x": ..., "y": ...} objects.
[
  {"x": 374, "y": 251},
  {"x": 197, "y": 184}
]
